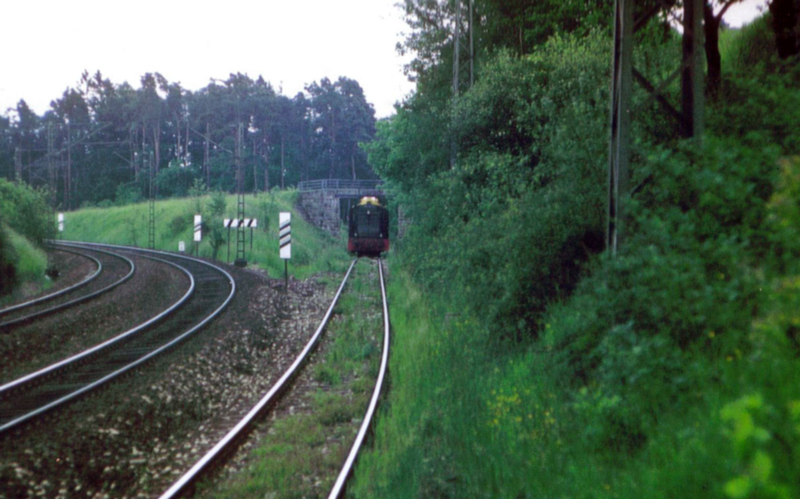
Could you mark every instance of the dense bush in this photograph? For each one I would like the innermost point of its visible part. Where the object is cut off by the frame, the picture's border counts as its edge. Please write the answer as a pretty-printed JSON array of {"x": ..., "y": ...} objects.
[
  {"x": 176, "y": 181},
  {"x": 681, "y": 349},
  {"x": 24, "y": 215},
  {"x": 8, "y": 274},
  {"x": 26, "y": 211},
  {"x": 522, "y": 209}
]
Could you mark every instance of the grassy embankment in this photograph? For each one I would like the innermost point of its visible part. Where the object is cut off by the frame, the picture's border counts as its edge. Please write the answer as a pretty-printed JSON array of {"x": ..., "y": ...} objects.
[
  {"x": 29, "y": 260},
  {"x": 312, "y": 250}
]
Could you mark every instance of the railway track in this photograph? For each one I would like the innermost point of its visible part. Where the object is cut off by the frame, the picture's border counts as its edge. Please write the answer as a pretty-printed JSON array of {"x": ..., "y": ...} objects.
[
  {"x": 224, "y": 448},
  {"x": 211, "y": 290},
  {"x": 112, "y": 270}
]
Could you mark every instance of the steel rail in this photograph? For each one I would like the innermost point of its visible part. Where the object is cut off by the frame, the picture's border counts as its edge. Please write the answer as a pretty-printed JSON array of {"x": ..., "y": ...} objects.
[
  {"x": 190, "y": 477},
  {"x": 140, "y": 360},
  {"x": 341, "y": 481},
  {"x": 5, "y": 325},
  {"x": 60, "y": 292},
  {"x": 51, "y": 369}
]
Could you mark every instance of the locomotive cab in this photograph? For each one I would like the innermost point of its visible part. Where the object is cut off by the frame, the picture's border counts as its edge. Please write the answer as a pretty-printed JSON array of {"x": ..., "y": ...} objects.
[{"x": 368, "y": 228}]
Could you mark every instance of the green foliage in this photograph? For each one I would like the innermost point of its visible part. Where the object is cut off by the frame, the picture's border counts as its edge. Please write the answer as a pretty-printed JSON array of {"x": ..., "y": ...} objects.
[
  {"x": 216, "y": 204},
  {"x": 128, "y": 225},
  {"x": 176, "y": 181},
  {"x": 751, "y": 48},
  {"x": 197, "y": 191},
  {"x": 179, "y": 224},
  {"x": 8, "y": 273},
  {"x": 26, "y": 210},
  {"x": 127, "y": 194},
  {"x": 315, "y": 134},
  {"x": 669, "y": 370},
  {"x": 25, "y": 222},
  {"x": 522, "y": 208},
  {"x": 266, "y": 211},
  {"x": 21, "y": 262},
  {"x": 213, "y": 229},
  {"x": 784, "y": 215},
  {"x": 29, "y": 260}
]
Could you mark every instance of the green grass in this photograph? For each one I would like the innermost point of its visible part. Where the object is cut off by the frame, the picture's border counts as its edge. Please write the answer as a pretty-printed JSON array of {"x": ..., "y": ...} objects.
[
  {"x": 30, "y": 262},
  {"x": 465, "y": 419},
  {"x": 312, "y": 250}
]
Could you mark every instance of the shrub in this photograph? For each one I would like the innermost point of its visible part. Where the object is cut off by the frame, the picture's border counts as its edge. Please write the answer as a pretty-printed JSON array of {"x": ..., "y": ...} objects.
[
  {"x": 8, "y": 274},
  {"x": 176, "y": 180},
  {"x": 128, "y": 194},
  {"x": 179, "y": 224},
  {"x": 26, "y": 211}
]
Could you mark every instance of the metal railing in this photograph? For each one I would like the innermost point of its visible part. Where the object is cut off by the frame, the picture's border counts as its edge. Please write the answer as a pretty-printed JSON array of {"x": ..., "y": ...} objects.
[{"x": 338, "y": 184}]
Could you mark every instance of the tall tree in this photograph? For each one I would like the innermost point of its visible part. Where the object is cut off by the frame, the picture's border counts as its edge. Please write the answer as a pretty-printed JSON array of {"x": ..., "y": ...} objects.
[
  {"x": 152, "y": 110},
  {"x": 73, "y": 111},
  {"x": 341, "y": 118},
  {"x": 785, "y": 15},
  {"x": 713, "y": 12}
]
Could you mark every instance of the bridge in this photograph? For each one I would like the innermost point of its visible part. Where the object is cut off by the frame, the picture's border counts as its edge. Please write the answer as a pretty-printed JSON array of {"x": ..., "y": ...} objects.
[{"x": 326, "y": 202}]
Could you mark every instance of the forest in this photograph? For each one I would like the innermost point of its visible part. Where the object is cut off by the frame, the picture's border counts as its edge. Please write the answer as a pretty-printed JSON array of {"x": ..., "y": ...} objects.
[{"x": 98, "y": 142}]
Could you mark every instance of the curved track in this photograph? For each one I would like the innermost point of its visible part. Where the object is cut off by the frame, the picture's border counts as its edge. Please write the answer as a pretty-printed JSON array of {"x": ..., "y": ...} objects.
[
  {"x": 212, "y": 289},
  {"x": 113, "y": 269},
  {"x": 185, "y": 484}
]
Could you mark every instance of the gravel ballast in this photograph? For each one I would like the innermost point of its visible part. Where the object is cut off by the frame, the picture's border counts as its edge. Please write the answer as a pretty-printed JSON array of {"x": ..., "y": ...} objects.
[{"x": 135, "y": 437}]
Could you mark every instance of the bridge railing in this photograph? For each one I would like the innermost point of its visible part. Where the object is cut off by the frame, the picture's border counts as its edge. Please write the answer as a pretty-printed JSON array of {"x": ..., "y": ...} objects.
[{"x": 338, "y": 184}]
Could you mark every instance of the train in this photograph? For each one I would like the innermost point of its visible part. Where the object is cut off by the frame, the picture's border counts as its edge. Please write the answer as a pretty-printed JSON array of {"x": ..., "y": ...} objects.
[{"x": 368, "y": 228}]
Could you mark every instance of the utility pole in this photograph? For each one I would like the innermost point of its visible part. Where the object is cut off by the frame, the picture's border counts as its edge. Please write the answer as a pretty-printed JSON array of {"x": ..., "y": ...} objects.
[
  {"x": 151, "y": 226},
  {"x": 692, "y": 84},
  {"x": 68, "y": 178},
  {"x": 689, "y": 118},
  {"x": 621, "y": 89},
  {"x": 283, "y": 168},
  {"x": 458, "y": 60},
  {"x": 240, "y": 260},
  {"x": 206, "y": 155},
  {"x": 255, "y": 168},
  {"x": 51, "y": 170}
]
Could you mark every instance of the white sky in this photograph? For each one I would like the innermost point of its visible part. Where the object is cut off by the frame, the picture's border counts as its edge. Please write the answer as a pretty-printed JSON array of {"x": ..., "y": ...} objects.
[
  {"x": 48, "y": 43},
  {"x": 744, "y": 12}
]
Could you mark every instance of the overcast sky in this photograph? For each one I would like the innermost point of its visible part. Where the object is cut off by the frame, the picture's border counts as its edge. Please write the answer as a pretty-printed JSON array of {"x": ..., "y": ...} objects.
[{"x": 47, "y": 44}]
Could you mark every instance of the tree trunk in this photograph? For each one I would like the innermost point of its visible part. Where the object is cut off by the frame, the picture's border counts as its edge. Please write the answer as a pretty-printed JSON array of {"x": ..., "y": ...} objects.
[
  {"x": 784, "y": 24},
  {"x": 17, "y": 165}
]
